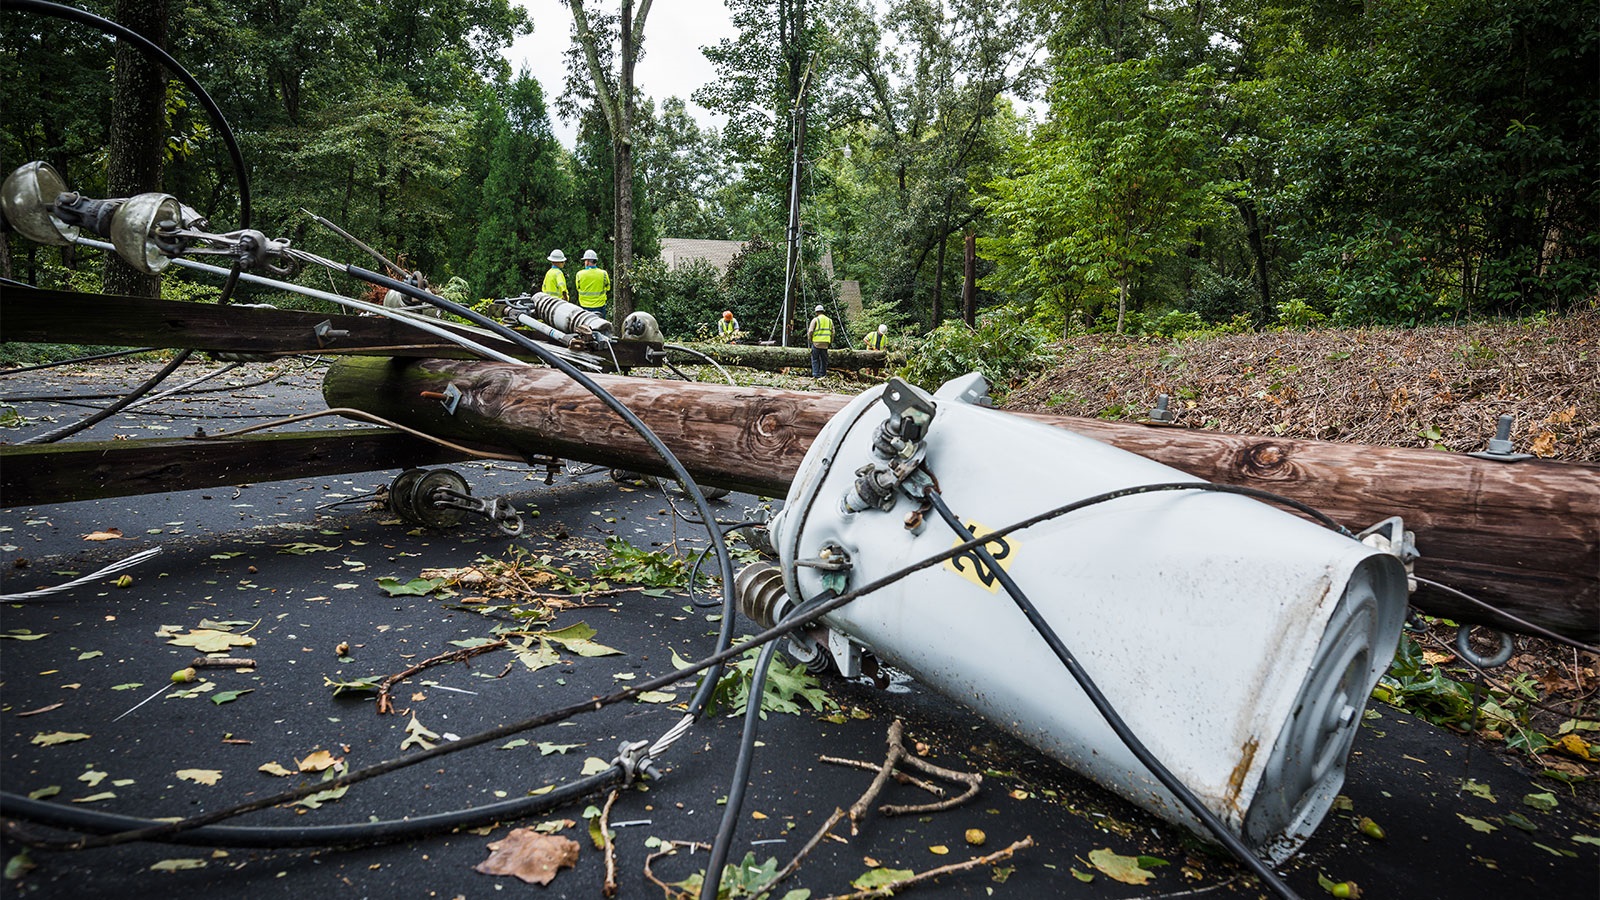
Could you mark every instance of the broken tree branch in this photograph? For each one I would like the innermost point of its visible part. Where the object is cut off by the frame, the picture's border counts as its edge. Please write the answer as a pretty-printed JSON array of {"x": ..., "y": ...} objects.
[
  {"x": 610, "y": 888},
  {"x": 459, "y": 655},
  {"x": 971, "y": 779},
  {"x": 898, "y": 776},
  {"x": 895, "y": 887},
  {"x": 670, "y": 848}
]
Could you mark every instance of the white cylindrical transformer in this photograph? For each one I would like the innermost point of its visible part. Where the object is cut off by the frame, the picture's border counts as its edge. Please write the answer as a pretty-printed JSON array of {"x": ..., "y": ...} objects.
[{"x": 1238, "y": 641}]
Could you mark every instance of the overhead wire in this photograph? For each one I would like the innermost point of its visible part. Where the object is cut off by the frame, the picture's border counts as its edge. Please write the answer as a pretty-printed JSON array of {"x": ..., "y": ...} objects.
[{"x": 1109, "y": 713}]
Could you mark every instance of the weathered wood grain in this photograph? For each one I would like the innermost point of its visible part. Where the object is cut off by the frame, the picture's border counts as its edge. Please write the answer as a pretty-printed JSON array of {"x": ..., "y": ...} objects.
[
  {"x": 31, "y": 475},
  {"x": 1524, "y": 536}
]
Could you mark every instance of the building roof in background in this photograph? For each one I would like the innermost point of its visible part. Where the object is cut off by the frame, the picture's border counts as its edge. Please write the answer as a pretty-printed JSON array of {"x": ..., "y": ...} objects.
[{"x": 680, "y": 251}]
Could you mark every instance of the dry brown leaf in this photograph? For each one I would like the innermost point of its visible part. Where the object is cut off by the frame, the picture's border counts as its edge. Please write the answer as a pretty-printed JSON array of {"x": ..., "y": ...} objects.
[
  {"x": 1564, "y": 416},
  {"x": 109, "y": 534},
  {"x": 529, "y": 855},
  {"x": 317, "y": 761},
  {"x": 1544, "y": 445}
]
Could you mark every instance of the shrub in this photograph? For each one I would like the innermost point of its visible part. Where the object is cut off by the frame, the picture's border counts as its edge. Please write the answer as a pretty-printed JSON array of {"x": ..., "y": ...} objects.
[{"x": 1005, "y": 347}]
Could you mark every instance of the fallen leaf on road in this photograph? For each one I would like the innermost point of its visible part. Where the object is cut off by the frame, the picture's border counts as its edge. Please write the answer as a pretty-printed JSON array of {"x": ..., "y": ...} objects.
[
  {"x": 576, "y": 638},
  {"x": 109, "y": 534},
  {"x": 530, "y": 856},
  {"x": 418, "y": 734},
  {"x": 317, "y": 761},
  {"x": 177, "y": 865},
  {"x": 1121, "y": 868},
  {"x": 273, "y": 768},
  {"x": 92, "y": 778},
  {"x": 200, "y": 776},
  {"x": 58, "y": 737},
  {"x": 207, "y": 640},
  {"x": 42, "y": 709},
  {"x": 95, "y": 798},
  {"x": 230, "y": 696},
  {"x": 656, "y": 697}
]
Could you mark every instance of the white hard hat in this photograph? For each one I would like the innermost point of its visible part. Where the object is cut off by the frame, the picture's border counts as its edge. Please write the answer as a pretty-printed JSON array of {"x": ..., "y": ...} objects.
[
  {"x": 818, "y": 309},
  {"x": 590, "y": 255},
  {"x": 883, "y": 329},
  {"x": 557, "y": 256}
]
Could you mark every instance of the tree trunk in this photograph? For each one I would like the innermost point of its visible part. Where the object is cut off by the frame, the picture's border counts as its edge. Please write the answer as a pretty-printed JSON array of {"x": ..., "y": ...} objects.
[
  {"x": 1122, "y": 302},
  {"x": 938, "y": 283},
  {"x": 622, "y": 168},
  {"x": 138, "y": 125},
  {"x": 771, "y": 359},
  {"x": 969, "y": 279},
  {"x": 1524, "y": 537},
  {"x": 1258, "y": 249}
]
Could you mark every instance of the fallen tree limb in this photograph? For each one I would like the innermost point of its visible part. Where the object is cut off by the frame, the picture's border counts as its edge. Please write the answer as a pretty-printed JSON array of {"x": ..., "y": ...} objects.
[
  {"x": 457, "y": 655},
  {"x": 895, "y": 887},
  {"x": 771, "y": 359}
]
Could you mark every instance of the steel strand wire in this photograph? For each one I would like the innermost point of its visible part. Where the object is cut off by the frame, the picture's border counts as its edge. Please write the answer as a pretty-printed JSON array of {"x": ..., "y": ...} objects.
[
  {"x": 164, "y": 830},
  {"x": 702, "y": 696},
  {"x": 1112, "y": 718}
]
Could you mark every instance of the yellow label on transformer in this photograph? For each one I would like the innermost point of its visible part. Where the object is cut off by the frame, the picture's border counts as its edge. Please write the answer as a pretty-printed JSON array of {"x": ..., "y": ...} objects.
[{"x": 969, "y": 566}]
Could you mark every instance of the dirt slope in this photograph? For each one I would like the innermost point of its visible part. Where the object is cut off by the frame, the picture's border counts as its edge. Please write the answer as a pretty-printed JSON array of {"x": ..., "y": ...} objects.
[{"x": 1438, "y": 387}]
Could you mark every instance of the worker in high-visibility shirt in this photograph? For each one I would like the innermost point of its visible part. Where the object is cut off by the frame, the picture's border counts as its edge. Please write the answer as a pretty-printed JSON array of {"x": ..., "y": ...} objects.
[
  {"x": 820, "y": 332},
  {"x": 727, "y": 326},
  {"x": 594, "y": 284},
  {"x": 555, "y": 280},
  {"x": 877, "y": 340}
]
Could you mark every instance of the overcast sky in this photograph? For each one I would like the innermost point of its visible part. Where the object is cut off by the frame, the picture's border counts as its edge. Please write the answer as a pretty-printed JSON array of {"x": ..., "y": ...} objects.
[{"x": 673, "y": 65}]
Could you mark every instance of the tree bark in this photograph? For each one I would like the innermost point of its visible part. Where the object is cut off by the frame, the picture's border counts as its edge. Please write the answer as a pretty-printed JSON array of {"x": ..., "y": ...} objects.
[
  {"x": 1524, "y": 537},
  {"x": 138, "y": 126},
  {"x": 969, "y": 279},
  {"x": 771, "y": 359}
]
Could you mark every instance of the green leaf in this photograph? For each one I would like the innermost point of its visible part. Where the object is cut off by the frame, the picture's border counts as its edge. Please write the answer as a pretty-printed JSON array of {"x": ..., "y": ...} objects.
[
  {"x": 47, "y": 791},
  {"x": 880, "y": 877},
  {"x": 512, "y": 745},
  {"x": 594, "y": 765},
  {"x": 229, "y": 696},
  {"x": 127, "y": 687},
  {"x": 1125, "y": 869},
  {"x": 57, "y": 737},
  {"x": 1477, "y": 824},
  {"x": 91, "y": 654},
  {"x": 546, "y": 748},
  {"x": 1542, "y": 802},
  {"x": 536, "y": 658},
  {"x": 23, "y": 634},
  {"x": 18, "y": 866},
  {"x": 468, "y": 643},
  {"x": 1479, "y": 790},
  {"x": 177, "y": 865},
  {"x": 301, "y": 548},
  {"x": 416, "y": 587},
  {"x": 370, "y": 683},
  {"x": 656, "y": 697},
  {"x": 576, "y": 638}
]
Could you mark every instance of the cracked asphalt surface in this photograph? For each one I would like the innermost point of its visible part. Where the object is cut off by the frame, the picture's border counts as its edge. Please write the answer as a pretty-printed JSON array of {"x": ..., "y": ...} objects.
[{"x": 79, "y": 662}]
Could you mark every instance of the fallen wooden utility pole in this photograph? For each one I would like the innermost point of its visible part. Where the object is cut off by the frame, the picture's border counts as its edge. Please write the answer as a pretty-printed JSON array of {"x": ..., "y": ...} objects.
[
  {"x": 1522, "y": 536},
  {"x": 771, "y": 359}
]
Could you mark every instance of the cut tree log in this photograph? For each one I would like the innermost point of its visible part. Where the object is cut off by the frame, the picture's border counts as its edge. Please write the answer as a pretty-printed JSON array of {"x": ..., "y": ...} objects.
[
  {"x": 771, "y": 359},
  {"x": 1524, "y": 536}
]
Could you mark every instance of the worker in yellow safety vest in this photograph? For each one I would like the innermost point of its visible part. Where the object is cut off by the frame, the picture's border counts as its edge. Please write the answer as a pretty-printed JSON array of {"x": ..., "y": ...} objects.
[
  {"x": 555, "y": 280},
  {"x": 594, "y": 284},
  {"x": 877, "y": 340},
  {"x": 820, "y": 331},
  {"x": 727, "y": 326}
]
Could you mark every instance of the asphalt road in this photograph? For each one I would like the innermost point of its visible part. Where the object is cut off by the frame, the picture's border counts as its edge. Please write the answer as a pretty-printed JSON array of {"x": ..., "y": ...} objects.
[{"x": 302, "y": 581}]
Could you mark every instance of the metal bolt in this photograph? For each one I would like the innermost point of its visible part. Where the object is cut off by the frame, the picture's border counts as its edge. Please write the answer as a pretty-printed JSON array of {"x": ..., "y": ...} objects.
[
  {"x": 1347, "y": 714},
  {"x": 1501, "y": 442},
  {"x": 1161, "y": 413}
]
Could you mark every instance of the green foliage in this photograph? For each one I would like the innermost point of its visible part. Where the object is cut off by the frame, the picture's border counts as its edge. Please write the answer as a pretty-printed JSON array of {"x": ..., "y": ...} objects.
[
  {"x": 522, "y": 205},
  {"x": 1004, "y": 347},
  {"x": 745, "y": 878},
  {"x": 786, "y": 687},
  {"x": 1414, "y": 684},
  {"x": 1299, "y": 315},
  {"x": 753, "y": 288},
  {"x": 632, "y": 565},
  {"x": 683, "y": 298}
]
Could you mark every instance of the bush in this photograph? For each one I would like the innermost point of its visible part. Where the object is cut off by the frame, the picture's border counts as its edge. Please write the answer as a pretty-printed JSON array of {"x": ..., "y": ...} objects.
[
  {"x": 1005, "y": 347},
  {"x": 681, "y": 298}
]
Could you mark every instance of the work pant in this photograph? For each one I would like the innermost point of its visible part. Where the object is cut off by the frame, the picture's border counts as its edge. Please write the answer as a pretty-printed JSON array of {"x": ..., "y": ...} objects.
[{"x": 819, "y": 360}]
